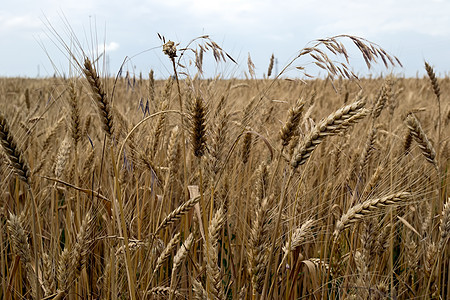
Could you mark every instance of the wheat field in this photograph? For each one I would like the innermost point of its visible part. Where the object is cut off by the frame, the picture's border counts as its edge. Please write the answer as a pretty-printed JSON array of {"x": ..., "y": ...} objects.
[{"x": 191, "y": 188}]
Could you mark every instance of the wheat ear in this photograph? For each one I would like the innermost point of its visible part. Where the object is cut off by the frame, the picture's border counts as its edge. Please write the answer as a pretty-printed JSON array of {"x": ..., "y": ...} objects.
[
  {"x": 15, "y": 156},
  {"x": 257, "y": 254},
  {"x": 361, "y": 210},
  {"x": 444, "y": 228},
  {"x": 162, "y": 292},
  {"x": 421, "y": 138},
  {"x": 100, "y": 96},
  {"x": 218, "y": 141},
  {"x": 62, "y": 157},
  {"x": 332, "y": 125},
  {"x": 269, "y": 70},
  {"x": 368, "y": 147},
  {"x": 212, "y": 268},
  {"x": 21, "y": 248},
  {"x": 75, "y": 114},
  {"x": 22, "y": 170},
  {"x": 166, "y": 252},
  {"x": 382, "y": 99},
  {"x": 437, "y": 93},
  {"x": 48, "y": 275},
  {"x": 291, "y": 124},
  {"x": 177, "y": 213},
  {"x": 158, "y": 129},
  {"x": 178, "y": 260},
  {"x": 407, "y": 141},
  {"x": 433, "y": 79},
  {"x": 198, "y": 126},
  {"x": 199, "y": 291},
  {"x": 298, "y": 237},
  {"x": 72, "y": 261}
]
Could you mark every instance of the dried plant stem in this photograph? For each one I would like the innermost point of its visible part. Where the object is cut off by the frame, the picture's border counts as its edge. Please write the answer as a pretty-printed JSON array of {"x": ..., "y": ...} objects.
[
  {"x": 183, "y": 138},
  {"x": 281, "y": 204},
  {"x": 123, "y": 229}
]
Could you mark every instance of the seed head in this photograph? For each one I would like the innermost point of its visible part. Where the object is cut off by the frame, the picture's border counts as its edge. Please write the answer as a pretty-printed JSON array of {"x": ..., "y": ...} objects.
[{"x": 170, "y": 49}]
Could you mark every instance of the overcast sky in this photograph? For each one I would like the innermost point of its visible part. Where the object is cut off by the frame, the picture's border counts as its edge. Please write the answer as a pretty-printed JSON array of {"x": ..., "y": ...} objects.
[{"x": 412, "y": 30}]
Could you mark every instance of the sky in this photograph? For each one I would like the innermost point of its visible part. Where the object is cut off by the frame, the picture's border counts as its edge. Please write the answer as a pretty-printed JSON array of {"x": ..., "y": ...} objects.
[{"x": 32, "y": 33}]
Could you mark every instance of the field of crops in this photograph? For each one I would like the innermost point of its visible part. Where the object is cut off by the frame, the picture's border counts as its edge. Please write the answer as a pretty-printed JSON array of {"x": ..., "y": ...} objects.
[{"x": 190, "y": 188}]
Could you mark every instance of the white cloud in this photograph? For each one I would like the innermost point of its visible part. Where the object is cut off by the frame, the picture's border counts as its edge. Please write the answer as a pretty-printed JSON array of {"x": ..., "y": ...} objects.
[
  {"x": 10, "y": 22},
  {"x": 384, "y": 16},
  {"x": 108, "y": 47}
]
